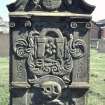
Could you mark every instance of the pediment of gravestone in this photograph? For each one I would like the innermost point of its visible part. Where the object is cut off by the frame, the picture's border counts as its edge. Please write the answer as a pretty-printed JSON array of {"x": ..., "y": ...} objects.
[{"x": 75, "y": 6}]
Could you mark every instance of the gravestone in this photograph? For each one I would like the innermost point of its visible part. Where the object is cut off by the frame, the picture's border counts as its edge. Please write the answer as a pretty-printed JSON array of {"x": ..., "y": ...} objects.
[
  {"x": 101, "y": 45},
  {"x": 94, "y": 35},
  {"x": 49, "y": 52},
  {"x": 101, "y": 42}
]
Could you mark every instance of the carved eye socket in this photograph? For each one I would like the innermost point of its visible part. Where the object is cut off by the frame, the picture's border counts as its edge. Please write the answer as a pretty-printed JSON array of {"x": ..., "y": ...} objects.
[
  {"x": 51, "y": 4},
  {"x": 56, "y": 89}
]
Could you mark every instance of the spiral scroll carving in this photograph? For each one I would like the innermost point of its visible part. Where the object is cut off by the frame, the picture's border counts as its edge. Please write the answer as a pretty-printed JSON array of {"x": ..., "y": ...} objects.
[{"x": 50, "y": 54}]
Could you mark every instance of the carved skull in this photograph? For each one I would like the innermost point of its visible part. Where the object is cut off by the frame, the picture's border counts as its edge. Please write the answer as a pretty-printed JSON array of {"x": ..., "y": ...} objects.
[{"x": 51, "y": 90}]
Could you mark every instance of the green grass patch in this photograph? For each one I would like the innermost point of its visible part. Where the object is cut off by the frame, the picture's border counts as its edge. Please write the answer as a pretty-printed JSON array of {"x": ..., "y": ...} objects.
[
  {"x": 4, "y": 83},
  {"x": 97, "y": 79}
]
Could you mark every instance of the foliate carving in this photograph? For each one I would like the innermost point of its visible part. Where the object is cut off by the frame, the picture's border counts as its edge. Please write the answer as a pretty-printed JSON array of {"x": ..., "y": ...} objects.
[
  {"x": 77, "y": 47},
  {"x": 21, "y": 48},
  {"x": 49, "y": 52}
]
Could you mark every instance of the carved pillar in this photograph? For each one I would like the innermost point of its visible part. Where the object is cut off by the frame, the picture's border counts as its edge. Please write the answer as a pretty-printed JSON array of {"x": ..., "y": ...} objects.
[{"x": 49, "y": 52}]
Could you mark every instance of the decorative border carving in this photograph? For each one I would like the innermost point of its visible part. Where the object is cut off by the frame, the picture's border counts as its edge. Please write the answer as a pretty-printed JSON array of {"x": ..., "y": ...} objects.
[{"x": 49, "y": 52}]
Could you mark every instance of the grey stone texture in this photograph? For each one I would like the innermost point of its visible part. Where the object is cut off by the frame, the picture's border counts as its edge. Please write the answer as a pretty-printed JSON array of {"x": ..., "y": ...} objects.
[{"x": 49, "y": 52}]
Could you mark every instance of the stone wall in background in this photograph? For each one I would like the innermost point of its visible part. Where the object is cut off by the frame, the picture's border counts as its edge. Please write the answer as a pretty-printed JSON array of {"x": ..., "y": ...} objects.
[
  {"x": 4, "y": 38},
  {"x": 101, "y": 45},
  {"x": 4, "y": 45},
  {"x": 94, "y": 35}
]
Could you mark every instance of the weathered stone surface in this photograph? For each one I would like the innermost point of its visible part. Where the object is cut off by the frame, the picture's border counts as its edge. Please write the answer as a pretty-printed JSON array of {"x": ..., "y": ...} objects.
[
  {"x": 101, "y": 45},
  {"x": 77, "y": 6},
  {"x": 49, "y": 54},
  {"x": 94, "y": 43}
]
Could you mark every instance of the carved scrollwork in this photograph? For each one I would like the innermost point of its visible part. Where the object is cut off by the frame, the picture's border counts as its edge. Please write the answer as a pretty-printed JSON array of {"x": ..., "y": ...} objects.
[
  {"x": 77, "y": 47},
  {"x": 37, "y": 67},
  {"x": 20, "y": 48},
  {"x": 49, "y": 58},
  {"x": 89, "y": 25},
  {"x": 49, "y": 52}
]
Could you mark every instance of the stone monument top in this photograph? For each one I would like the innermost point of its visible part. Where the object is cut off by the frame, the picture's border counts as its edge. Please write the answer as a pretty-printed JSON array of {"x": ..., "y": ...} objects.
[
  {"x": 74, "y": 6},
  {"x": 49, "y": 52}
]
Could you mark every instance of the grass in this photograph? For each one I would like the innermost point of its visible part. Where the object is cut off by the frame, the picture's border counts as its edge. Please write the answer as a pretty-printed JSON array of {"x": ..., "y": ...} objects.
[
  {"x": 97, "y": 80},
  {"x": 4, "y": 90}
]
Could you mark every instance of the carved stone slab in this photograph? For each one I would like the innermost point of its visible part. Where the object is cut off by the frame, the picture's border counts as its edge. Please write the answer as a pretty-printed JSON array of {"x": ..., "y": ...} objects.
[{"x": 49, "y": 55}]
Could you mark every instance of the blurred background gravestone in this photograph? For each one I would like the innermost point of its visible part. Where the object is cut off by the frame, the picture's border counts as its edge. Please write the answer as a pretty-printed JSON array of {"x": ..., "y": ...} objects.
[
  {"x": 4, "y": 38},
  {"x": 49, "y": 52},
  {"x": 94, "y": 35},
  {"x": 101, "y": 42}
]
